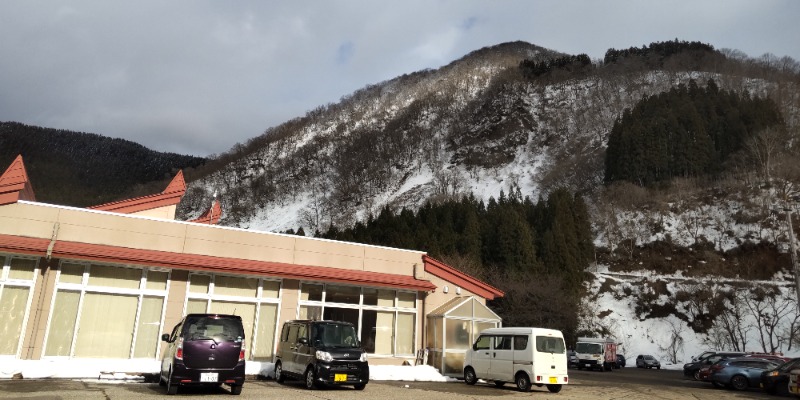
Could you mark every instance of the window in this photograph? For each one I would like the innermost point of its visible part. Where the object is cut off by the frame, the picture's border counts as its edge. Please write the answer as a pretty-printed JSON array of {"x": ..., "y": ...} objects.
[
  {"x": 16, "y": 285},
  {"x": 384, "y": 318},
  {"x": 502, "y": 343},
  {"x": 483, "y": 343},
  {"x": 547, "y": 344},
  {"x": 520, "y": 342},
  {"x": 106, "y": 311},
  {"x": 256, "y": 300}
]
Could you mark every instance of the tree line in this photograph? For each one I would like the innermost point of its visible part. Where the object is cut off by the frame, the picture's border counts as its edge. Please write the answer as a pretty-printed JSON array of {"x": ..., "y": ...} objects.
[
  {"x": 528, "y": 249},
  {"x": 85, "y": 169},
  {"x": 686, "y": 132}
]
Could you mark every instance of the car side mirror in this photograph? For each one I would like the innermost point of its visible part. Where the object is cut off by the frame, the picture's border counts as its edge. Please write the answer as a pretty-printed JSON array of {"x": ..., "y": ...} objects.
[
  {"x": 303, "y": 341},
  {"x": 165, "y": 337},
  {"x": 475, "y": 346}
]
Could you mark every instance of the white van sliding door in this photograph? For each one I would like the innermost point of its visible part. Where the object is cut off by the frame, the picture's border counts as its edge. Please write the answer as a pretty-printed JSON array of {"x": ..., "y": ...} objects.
[{"x": 502, "y": 361}]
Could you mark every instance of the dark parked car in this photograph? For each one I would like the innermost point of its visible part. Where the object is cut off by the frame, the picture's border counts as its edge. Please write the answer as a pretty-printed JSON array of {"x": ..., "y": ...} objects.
[
  {"x": 204, "y": 349},
  {"x": 740, "y": 373},
  {"x": 777, "y": 379},
  {"x": 620, "y": 361},
  {"x": 321, "y": 353},
  {"x": 647, "y": 361},
  {"x": 692, "y": 369}
]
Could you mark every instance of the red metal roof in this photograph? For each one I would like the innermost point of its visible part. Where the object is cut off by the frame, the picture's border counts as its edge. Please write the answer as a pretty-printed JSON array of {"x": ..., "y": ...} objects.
[
  {"x": 459, "y": 278},
  {"x": 14, "y": 183},
  {"x": 169, "y": 197},
  {"x": 123, "y": 255},
  {"x": 211, "y": 216}
]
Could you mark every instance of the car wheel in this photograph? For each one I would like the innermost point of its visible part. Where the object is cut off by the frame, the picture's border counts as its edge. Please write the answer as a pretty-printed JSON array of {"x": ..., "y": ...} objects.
[
  {"x": 523, "y": 382},
  {"x": 739, "y": 382},
  {"x": 469, "y": 376},
  {"x": 236, "y": 389},
  {"x": 360, "y": 386},
  {"x": 279, "y": 372},
  {"x": 696, "y": 375},
  {"x": 172, "y": 388},
  {"x": 309, "y": 378},
  {"x": 658, "y": 367},
  {"x": 554, "y": 388},
  {"x": 499, "y": 383}
]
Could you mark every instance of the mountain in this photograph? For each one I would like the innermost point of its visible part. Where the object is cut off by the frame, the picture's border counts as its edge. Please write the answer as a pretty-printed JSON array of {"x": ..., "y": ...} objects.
[
  {"x": 84, "y": 169},
  {"x": 517, "y": 118},
  {"x": 479, "y": 125}
]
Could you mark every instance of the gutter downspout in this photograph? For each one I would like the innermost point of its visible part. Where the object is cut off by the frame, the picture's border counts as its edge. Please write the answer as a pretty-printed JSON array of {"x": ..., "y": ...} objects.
[{"x": 52, "y": 244}]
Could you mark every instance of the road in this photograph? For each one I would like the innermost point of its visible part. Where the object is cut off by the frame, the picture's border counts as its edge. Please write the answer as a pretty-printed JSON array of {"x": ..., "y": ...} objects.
[{"x": 627, "y": 383}]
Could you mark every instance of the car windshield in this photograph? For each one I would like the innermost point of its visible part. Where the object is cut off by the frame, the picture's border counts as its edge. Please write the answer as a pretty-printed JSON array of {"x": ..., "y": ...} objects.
[
  {"x": 589, "y": 348},
  {"x": 333, "y": 335},
  {"x": 213, "y": 328}
]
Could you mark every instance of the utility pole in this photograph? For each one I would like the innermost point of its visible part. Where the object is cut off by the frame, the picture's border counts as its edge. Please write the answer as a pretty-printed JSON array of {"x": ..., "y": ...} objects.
[{"x": 795, "y": 267}]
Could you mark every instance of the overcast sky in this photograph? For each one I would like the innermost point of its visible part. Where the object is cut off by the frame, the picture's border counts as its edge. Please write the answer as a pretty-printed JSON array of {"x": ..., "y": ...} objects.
[{"x": 196, "y": 77}]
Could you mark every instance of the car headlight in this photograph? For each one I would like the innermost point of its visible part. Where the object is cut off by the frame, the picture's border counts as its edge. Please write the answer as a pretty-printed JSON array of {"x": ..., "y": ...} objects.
[
  {"x": 363, "y": 357},
  {"x": 772, "y": 373},
  {"x": 324, "y": 356}
]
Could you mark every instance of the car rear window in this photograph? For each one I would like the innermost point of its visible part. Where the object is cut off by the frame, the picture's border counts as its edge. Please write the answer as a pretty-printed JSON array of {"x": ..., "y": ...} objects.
[{"x": 218, "y": 328}]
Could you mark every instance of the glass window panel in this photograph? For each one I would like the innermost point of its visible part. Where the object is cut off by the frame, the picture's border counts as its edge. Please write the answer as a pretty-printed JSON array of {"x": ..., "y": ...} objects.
[
  {"x": 157, "y": 280},
  {"x": 458, "y": 334},
  {"x": 13, "y": 302},
  {"x": 481, "y": 311},
  {"x": 483, "y": 343},
  {"x": 310, "y": 312},
  {"x": 341, "y": 314},
  {"x": 342, "y": 294},
  {"x": 22, "y": 268},
  {"x": 235, "y": 286},
  {"x": 378, "y": 297},
  {"x": 118, "y": 277},
  {"x": 310, "y": 292},
  {"x": 407, "y": 299},
  {"x": 62, "y": 323},
  {"x": 71, "y": 273},
  {"x": 265, "y": 332},
  {"x": 105, "y": 329},
  {"x": 430, "y": 335},
  {"x": 199, "y": 283},
  {"x": 464, "y": 310},
  {"x": 377, "y": 331},
  {"x": 149, "y": 327},
  {"x": 196, "y": 306},
  {"x": 245, "y": 310},
  {"x": 405, "y": 333},
  {"x": 453, "y": 363},
  {"x": 270, "y": 289},
  {"x": 479, "y": 327},
  {"x": 548, "y": 344}
]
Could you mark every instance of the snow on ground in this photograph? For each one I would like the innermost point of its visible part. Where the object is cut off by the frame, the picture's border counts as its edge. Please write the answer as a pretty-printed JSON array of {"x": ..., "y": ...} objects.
[{"x": 133, "y": 370}]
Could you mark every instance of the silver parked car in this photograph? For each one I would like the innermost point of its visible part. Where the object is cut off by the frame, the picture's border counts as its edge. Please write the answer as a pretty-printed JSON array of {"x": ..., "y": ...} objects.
[{"x": 647, "y": 361}]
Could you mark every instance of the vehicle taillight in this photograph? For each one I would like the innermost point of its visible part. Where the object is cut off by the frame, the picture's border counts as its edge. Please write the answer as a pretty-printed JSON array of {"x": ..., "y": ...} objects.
[
  {"x": 179, "y": 350},
  {"x": 241, "y": 352}
]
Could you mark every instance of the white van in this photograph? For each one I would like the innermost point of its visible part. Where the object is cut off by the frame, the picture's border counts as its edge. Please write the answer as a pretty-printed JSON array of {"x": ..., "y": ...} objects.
[{"x": 524, "y": 356}]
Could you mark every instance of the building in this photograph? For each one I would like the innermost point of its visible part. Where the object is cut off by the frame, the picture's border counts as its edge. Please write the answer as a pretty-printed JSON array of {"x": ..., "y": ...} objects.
[{"x": 106, "y": 281}]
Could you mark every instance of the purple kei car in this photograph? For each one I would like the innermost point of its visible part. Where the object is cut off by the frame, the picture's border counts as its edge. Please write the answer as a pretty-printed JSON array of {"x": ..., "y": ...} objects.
[{"x": 204, "y": 349}]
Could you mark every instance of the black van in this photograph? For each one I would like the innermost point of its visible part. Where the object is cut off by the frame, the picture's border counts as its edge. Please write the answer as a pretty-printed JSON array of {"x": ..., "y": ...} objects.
[
  {"x": 321, "y": 353},
  {"x": 204, "y": 349}
]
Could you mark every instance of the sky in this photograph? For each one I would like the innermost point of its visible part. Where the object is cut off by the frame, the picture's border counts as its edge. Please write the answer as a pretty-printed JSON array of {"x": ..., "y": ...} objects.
[{"x": 197, "y": 77}]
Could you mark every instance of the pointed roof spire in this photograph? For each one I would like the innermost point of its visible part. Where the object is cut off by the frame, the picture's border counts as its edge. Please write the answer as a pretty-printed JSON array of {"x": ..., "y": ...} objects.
[
  {"x": 168, "y": 197},
  {"x": 14, "y": 183},
  {"x": 212, "y": 215}
]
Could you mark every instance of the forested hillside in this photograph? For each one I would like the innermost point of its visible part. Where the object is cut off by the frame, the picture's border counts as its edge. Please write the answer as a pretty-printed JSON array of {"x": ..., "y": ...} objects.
[
  {"x": 679, "y": 152},
  {"x": 84, "y": 169}
]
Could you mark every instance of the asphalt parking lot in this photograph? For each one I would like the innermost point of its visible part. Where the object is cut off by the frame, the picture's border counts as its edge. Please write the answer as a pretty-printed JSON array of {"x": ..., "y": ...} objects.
[{"x": 628, "y": 383}]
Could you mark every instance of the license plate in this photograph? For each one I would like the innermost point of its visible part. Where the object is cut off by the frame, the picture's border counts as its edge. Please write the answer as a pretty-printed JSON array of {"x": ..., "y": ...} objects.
[
  {"x": 553, "y": 379},
  {"x": 340, "y": 378},
  {"x": 209, "y": 377},
  {"x": 587, "y": 365}
]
